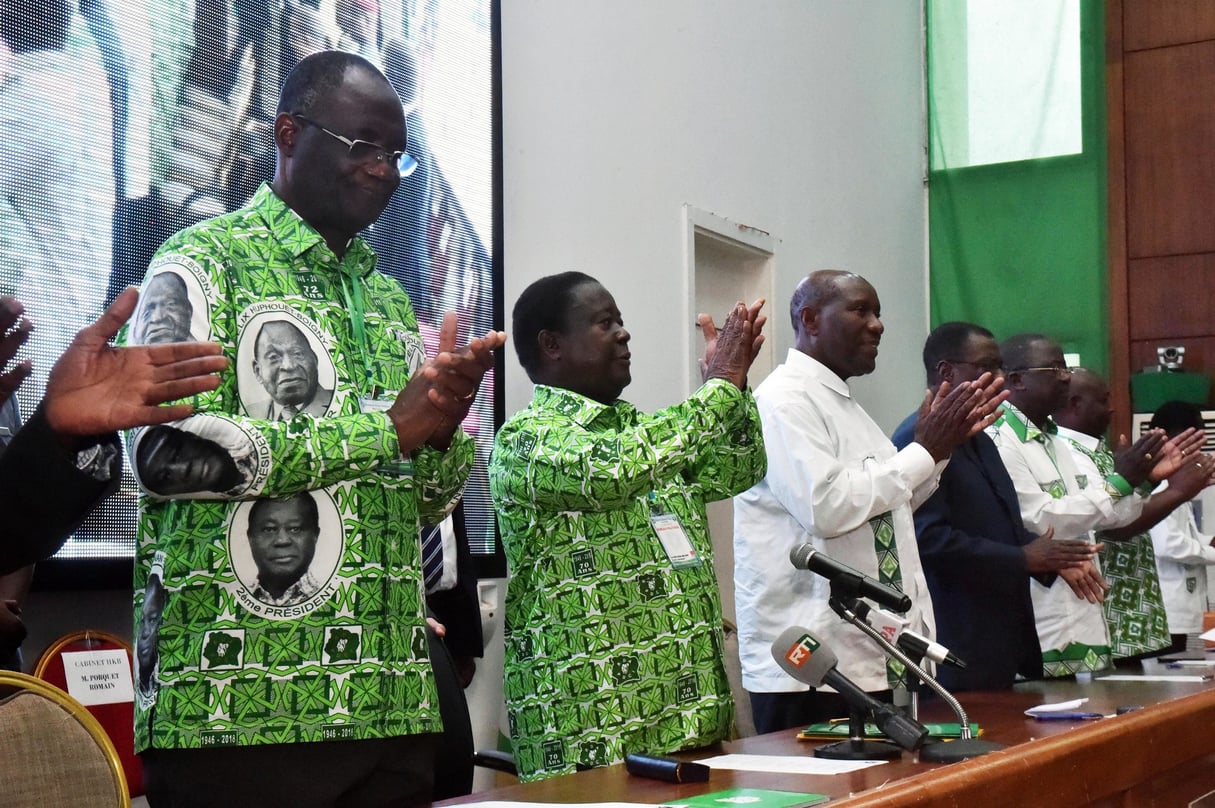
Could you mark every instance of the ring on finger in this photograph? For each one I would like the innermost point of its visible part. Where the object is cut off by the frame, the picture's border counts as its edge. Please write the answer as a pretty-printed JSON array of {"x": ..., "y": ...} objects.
[
  {"x": 1147, "y": 455},
  {"x": 469, "y": 397}
]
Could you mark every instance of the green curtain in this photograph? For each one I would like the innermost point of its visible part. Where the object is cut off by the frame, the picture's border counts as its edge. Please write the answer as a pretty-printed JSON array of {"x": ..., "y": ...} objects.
[{"x": 1021, "y": 245}]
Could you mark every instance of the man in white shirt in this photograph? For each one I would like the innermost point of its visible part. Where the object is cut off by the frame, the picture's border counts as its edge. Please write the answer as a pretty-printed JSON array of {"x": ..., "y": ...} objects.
[
  {"x": 835, "y": 480},
  {"x": 1053, "y": 493},
  {"x": 1182, "y": 551},
  {"x": 1134, "y": 608}
]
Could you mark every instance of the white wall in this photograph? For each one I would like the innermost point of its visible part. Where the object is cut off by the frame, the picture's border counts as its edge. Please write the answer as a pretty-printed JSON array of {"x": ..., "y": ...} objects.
[{"x": 802, "y": 118}]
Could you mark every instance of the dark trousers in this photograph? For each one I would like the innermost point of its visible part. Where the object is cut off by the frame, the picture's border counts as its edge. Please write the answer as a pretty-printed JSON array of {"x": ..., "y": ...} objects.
[
  {"x": 453, "y": 772},
  {"x": 776, "y": 711},
  {"x": 326, "y": 774}
]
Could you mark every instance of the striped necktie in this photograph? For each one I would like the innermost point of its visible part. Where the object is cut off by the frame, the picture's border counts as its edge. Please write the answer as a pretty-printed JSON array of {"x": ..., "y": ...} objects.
[{"x": 432, "y": 556}]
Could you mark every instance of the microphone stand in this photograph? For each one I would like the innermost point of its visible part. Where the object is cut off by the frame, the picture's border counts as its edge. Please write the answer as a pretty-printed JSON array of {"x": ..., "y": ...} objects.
[{"x": 936, "y": 752}]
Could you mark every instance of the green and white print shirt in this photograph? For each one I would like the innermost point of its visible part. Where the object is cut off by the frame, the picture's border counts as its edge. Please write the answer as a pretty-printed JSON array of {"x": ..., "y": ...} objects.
[
  {"x": 610, "y": 647},
  {"x": 343, "y": 654}
]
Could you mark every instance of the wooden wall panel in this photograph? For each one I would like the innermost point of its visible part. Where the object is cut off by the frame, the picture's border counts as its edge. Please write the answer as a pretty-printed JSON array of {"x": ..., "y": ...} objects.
[
  {"x": 1158, "y": 23},
  {"x": 1199, "y": 352},
  {"x": 1170, "y": 150},
  {"x": 1173, "y": 296}
]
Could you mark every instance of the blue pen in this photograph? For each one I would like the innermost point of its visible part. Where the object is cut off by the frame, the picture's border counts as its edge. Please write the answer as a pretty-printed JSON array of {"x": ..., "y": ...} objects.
[{"x": 1067, "y": 716}]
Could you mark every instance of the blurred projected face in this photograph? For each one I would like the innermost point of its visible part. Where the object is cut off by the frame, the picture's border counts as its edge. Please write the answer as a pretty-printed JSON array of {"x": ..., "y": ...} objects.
[
  {"x": 285, "y": 364},
  {"x": 149, "y": 625},
  {"x": 282, "y": 538},
  {"x": 164, "y": 311},
  {"x": 173, "y": 461}
]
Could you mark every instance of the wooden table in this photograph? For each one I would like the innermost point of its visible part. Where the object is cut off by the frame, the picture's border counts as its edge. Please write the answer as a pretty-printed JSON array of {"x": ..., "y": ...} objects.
[{"x": 1163, "y": 754}]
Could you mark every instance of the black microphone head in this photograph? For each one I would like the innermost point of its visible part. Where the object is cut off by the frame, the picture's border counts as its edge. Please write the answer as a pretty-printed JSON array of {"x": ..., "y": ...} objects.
[
  {"x": 802, "y": 656},
  {"x": 799, "y": 556}
]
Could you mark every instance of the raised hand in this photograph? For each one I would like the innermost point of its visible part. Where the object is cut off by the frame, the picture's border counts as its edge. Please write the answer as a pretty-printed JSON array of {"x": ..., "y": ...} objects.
[
  {"x": 730, "y": 351},
  {"x": 440, "y": 394},
  {"x": 1195, "y": 473},
  {"x": 951, "y": 415},
  {"x": 15, "y": 329},
  {"x": 1176, "y": 452},
  {"x": 1136, "y": 461},
  {"x": 96, "y": 388},
  {"x": 708, "y": 329}
]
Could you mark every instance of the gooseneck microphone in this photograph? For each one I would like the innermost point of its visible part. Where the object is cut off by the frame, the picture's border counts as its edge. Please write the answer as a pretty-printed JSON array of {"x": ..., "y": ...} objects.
[
  {"x": 801, "y": 655},
  {"x": 916, "y": 646},
  {"x": 808, "y": 557}
]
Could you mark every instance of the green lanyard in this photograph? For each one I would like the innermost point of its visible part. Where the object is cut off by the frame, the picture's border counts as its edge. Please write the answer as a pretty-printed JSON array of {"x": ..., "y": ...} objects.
[{"x": 352, "y": 292}]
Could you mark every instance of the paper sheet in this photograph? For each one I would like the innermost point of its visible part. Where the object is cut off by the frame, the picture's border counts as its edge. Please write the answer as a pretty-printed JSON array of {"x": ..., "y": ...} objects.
[
  {"x": 788, "y": 764},
  {"x": 1122, "y": 677},
  {"x": 1058, "y": 707}
]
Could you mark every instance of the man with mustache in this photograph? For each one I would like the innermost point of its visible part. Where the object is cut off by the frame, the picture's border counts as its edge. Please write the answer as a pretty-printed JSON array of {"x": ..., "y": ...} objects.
[{"x": 835, "y": 480}]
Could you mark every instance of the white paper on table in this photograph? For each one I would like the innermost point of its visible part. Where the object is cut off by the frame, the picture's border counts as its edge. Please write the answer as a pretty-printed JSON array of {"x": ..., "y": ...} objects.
[
  {"x": 1058, "y": 707},
  {"x": 1208, "y": 635},
  {"x": 1126, "y": 677},
  {"x": 787, "y": 764}
]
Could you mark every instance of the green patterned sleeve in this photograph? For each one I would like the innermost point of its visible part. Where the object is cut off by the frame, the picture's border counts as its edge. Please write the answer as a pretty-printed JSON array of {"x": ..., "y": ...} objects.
[
  {"x": 735, "y": 460},
  {"x": 441, "y": 477},
  {"x": 546, "y": 460},
  {"x": 224, "y": 452}
]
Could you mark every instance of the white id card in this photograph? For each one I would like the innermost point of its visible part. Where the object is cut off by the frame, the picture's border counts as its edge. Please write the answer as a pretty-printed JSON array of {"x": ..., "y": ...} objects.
[
  {"x": 402, "y": 467},
  {"x": 674, "y": 541}
]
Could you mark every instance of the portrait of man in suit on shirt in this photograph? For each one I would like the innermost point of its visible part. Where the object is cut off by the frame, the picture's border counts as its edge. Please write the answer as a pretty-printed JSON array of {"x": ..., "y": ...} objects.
[{"x": 287, "y": 365}]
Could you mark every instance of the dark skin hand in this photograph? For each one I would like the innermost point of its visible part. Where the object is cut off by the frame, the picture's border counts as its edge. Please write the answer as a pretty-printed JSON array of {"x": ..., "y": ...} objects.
[
  {"x": 709, "y": 330},
  {"x": 16, "y": 329},
  {"x": 438, "y": 397},
  {"x": 952, "y": 415},
  {"x": 466, "y": 667},
  {"x": 1195, "y": 473},
  {"x": 96, "y": 388},
  {"x": 1176, "y": 452},
  {"x": 1086, "y": 582},
  {"x": 1136, "y": 461},
  {"x": 12, "y": 629},
  {"x": 1044, "y": 554},
  {"x": 730, "y": 351}
]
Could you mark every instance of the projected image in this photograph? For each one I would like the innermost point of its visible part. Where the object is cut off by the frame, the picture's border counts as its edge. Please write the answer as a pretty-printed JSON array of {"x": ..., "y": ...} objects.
[{"x": 123, "y": 121}]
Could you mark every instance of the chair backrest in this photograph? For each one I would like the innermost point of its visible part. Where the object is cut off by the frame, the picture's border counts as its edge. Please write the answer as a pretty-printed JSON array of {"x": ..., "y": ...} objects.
[
  {"x": 54, "y": 751},
  {"x": 118, "y": 719}
]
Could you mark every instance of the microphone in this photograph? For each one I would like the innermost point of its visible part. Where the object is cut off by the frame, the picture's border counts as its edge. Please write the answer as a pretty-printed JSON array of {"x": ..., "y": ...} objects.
[
  {"x": 801, "y": 655},
  {"x": 917, "y": 646},
  {"x": 807, "y": 557}
]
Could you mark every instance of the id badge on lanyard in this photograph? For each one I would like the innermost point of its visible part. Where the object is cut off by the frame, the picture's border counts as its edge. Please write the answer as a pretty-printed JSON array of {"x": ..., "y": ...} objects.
[
  {"x": 402, "y": 467},
  {"x": 672, "y": 537}
]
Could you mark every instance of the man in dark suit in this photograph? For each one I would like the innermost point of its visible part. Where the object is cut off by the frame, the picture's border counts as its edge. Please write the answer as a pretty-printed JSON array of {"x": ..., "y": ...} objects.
[
  {"x": 456, "y": 605},
  {"x": 66, "y": 458},
  {"x": 977, "y": 554}
]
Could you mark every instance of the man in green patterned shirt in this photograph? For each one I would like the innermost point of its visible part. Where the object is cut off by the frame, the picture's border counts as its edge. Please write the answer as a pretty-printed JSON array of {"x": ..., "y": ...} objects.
[
  {"x": 613, "y": 616},
  {"x": 248, "y": 691}
]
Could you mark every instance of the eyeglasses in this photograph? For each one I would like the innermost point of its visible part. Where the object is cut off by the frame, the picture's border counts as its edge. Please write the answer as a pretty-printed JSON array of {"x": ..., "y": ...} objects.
[
  {"x": 982, "y": 367},
  {"x": 364, "y": 152},
  {"x": 1058, "y": 370}
]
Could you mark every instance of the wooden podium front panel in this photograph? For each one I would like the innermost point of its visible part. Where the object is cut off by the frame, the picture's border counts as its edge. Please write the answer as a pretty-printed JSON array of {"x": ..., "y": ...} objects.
[{"x": 1161, "y": 755}]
